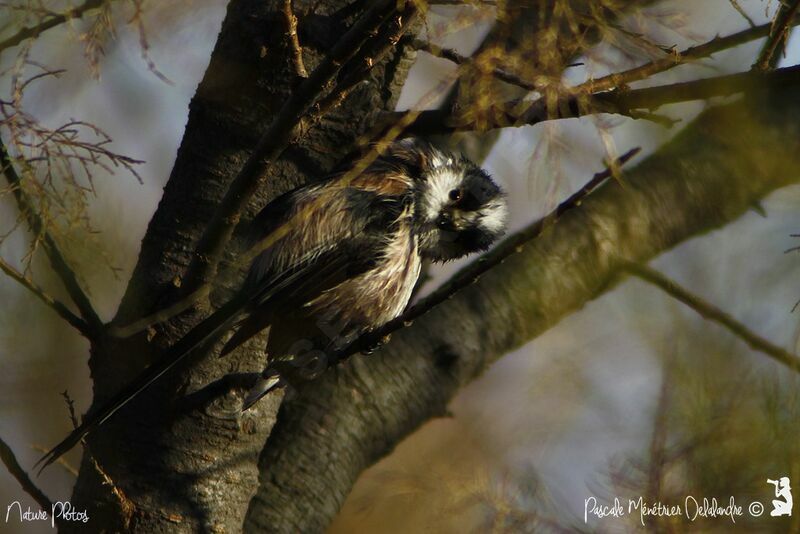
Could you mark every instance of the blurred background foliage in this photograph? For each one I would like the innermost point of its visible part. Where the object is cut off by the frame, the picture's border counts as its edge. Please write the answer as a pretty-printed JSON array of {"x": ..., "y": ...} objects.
[{"x": 634, "y": 395}]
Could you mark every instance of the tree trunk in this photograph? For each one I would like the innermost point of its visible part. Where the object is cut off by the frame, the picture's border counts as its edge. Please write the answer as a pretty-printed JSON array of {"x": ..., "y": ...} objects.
[{"x": 179, "y": 457}]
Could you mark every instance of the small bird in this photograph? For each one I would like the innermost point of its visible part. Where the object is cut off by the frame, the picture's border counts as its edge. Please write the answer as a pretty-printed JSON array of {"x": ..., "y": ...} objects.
[{"x": 342, "y": 257}]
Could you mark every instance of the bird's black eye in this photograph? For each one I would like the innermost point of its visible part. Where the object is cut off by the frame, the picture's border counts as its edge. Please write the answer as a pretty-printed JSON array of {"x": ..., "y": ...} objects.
[{"x": 455, "y": 195}]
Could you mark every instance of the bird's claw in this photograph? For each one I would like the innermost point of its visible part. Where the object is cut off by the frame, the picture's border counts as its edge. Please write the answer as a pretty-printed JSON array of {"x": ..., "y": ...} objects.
[{"x": 374, "y": 346}]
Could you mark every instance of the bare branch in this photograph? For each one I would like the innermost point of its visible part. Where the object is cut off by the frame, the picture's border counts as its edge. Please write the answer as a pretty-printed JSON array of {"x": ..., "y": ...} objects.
[
  {"x": 625, "y": 102},
  {"x": 718, "y": 44},
  {"x": 178, "y": 307},
  {"x": 712, "y": 313},
  {"x": 619, "y": 79},
  {"x": 459, "y": 59},
  {"x": 70, "y": 408},
  {"x": 55, "y": 305},
  {"x": 778, "y": 36},
  {"x": 11, "y": 463},
  {"x": 386, "y": 39},
  {"x": 52, "y": 22},
  {"x": 294, "y": 41},
  {"x": 735, "y": 4},
  {"x": 351, "y": 50},
  {"x": 57, "y": 260}
]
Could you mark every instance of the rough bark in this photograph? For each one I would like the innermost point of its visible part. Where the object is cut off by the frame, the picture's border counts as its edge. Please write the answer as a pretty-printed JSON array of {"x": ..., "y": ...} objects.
[
  {"x": 177, "y": 459},
  {"x": 723, "y": 163}
]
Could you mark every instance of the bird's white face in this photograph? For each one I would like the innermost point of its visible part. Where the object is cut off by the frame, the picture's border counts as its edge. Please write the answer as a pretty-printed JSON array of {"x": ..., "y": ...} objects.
[{"x": 461, "y": 210}]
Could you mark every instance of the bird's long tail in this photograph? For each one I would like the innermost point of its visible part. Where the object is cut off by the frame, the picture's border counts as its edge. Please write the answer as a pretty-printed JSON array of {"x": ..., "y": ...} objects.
[
  {"x": 265, "y": 383},
  {"x": 202, "y": 334}
]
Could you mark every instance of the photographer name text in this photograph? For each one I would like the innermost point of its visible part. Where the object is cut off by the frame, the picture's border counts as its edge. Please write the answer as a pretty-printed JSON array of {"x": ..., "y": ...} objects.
[{"x": 692, "y": 508}]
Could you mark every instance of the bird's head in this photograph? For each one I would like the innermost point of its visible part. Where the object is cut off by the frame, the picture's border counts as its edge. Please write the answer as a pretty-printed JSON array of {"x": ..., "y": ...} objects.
[{"x": 458, "y": 207}]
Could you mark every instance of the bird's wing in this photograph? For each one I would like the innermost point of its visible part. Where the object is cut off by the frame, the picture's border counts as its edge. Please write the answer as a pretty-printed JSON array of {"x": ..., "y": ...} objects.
[
  {"x": 342, "y": 240},
  {"x": 306, "y": 280}
]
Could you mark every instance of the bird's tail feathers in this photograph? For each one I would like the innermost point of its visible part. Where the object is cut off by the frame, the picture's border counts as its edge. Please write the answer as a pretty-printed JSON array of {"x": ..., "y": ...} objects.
[
  {"x": 202, "y": 334},
  {"x": 267, "y": 382}
]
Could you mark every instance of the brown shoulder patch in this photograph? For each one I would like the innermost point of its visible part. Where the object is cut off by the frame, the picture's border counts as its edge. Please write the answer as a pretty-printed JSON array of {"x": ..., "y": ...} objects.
[{"x": 389, "y": 184}]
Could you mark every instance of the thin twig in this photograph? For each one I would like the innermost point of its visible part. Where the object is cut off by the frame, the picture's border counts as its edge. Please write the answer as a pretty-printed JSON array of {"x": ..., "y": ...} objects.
[
  {"x": 778, "y": 36},
  {"x": 178, "y": 307},
  {"x": 294, "y": 40},
  {"x": 712, "y": 313},
  {"x": 57, "y": 306},
  {"x": 57, "y": 260},
  {"x": 380, "y": 45},
  {"x": 70, "y": 408},
  {"x": 459, "y": 59},
  {"x": 127, "y": 507},
  {"x": 56, "y": 20},
  {"x": 11, "y": 463},
  {"x": 745, "y": 16},
  {"x": 349, "y": 50}
]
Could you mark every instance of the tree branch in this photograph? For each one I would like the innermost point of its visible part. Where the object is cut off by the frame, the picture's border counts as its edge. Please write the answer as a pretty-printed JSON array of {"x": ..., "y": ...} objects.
[
  {"x": 518, "y": 113},
  {"x": 387, "y": 38},
  {"x": 735, "y": 4},
  {"x": 294, "y": 40},
  {"x": 11, "y": 463},
  {"x": 712, "y": 313},
  {"x": 356, "y": 413},
  {"x": 778, "y": 36},
  {"x": 459, "y": 59},
  {"x": 57, "y": 306},
  {"x": 349, "y": 50},
  {"x": 620, "y": 79},
  {"x": 676, "y": 59},
  {"x": 52, "y": 22},
  {"x": 57, "y": 260}
]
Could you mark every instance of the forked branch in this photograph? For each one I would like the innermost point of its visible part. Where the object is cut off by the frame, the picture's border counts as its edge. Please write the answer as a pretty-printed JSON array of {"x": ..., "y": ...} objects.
[
  {"x": 59, "y": 263},
  {"x": 622, "y": 78},
  {"x": 624, "y": 102},
  {"x": 51, "y": 22},
  {"x": 59, "y": 307},
  {"x": 778, "y": 35}
]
